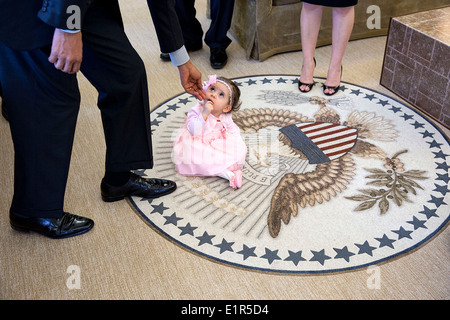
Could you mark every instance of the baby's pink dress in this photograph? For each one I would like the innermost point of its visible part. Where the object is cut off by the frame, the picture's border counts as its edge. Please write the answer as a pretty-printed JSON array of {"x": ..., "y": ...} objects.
[{"x": 208, "y": 148}]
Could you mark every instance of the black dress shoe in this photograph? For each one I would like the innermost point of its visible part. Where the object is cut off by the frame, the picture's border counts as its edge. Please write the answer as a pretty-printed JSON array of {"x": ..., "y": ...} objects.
[
  {"x": 218, "y": 58},
  {"x": 137, "y": 186},
  {"x": 68, "y": 225}
]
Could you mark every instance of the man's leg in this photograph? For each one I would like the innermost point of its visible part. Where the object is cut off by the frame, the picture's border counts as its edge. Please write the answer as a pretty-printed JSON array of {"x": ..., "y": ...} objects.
[
  {"x": 115, "y": 69},
  {"x": 42, "y": 108},
  {"x": 43, "y": 105},
  {"x": 221, "y": 15},
  {"x": 191, "y": 27},
  {"x": 2, "y": 105},
  {"x": 216, "y": 36}
]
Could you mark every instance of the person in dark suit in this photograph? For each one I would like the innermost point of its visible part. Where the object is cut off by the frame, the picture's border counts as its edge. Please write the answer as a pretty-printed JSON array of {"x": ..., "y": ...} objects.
[
  {"x": 215, "y": 38},
  {"x": 43, "y": 44}
]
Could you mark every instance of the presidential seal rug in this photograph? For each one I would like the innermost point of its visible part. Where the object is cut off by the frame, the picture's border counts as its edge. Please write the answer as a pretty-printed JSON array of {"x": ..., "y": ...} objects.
[{"x": 329, "y": 184}]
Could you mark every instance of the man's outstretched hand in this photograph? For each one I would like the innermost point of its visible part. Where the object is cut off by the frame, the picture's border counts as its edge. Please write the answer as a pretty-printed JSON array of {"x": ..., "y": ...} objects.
[{"x": 191, "y": 80}]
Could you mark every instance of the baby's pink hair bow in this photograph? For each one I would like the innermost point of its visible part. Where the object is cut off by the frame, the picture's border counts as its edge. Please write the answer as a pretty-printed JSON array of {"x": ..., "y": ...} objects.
[{"x": 207, "y": 84}]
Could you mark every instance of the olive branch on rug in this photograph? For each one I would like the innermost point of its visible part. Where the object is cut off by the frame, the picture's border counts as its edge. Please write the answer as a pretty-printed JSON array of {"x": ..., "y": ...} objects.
[{"x": 398, "y": 184}]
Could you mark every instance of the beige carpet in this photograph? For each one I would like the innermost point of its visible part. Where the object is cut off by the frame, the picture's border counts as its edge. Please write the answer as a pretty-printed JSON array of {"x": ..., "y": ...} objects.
[{"x": 122, "y": 258}]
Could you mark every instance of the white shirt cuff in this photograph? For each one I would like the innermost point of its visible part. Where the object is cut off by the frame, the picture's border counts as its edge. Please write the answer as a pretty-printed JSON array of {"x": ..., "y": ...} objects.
[
  {"x": 70, "y": 31},
  {"x": 179, "y": 56}
]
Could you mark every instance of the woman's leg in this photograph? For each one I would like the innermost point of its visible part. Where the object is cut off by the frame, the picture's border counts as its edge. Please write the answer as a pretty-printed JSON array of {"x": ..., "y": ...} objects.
[
  {"x": 343, "y": 19},
  {"x": 310, "y": 19}
]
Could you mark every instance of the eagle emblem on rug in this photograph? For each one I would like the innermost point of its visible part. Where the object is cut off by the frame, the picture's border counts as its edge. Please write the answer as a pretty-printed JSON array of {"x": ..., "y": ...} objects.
[
  {"x": 326, "y": 144},
  {"x": 329, "y": 183}
]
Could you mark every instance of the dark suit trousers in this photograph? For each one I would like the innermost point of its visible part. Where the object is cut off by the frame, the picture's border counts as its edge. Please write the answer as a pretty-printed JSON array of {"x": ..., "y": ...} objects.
[
  {"x": 216, "y": 36},
  {"x": 43, "y": 105}
]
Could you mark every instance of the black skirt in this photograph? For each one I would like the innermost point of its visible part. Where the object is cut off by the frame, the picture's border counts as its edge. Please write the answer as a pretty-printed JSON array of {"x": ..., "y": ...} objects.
[{"x": 333, "y": 3}]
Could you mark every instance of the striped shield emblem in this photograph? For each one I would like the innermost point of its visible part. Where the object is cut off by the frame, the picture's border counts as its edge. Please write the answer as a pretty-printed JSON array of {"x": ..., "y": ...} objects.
[{"x": 320, "y": 141}]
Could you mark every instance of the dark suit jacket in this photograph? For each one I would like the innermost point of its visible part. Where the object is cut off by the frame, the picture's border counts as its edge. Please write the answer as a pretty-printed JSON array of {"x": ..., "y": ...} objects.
[{"x": 29, "y": 24}]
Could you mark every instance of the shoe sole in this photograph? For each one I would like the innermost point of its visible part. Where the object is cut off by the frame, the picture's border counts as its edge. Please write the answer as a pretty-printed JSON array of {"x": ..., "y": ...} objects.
[
  {"x": 27, "y": 230},
  {"x": 112, "y": 199},
  {"x": 218, "y": 67},
  {"x": 118, "y": 198}
]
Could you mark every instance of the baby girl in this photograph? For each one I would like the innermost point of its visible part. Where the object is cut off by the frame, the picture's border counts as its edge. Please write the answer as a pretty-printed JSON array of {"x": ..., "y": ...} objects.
[{"x": 209, "y": 143}]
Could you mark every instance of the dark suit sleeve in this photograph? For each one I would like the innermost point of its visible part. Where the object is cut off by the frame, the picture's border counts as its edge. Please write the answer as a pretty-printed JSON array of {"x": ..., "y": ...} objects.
[
  {"x": 60, "y": 14},
  {"x": 166, "y": 24}
]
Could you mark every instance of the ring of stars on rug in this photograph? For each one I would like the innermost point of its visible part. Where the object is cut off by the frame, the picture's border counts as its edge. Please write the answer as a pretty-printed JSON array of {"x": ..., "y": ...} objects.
[{"x": 329, "y": 184}]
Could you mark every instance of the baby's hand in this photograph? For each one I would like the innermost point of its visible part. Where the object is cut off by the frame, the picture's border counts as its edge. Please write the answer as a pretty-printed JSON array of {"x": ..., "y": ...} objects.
[{"x": 207, "y": 108}]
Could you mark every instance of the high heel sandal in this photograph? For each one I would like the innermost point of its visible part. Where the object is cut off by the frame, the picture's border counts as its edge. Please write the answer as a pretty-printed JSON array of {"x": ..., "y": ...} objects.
[
  {"x": 309, "y": 85},
  {"x": 335, "y": 89}
]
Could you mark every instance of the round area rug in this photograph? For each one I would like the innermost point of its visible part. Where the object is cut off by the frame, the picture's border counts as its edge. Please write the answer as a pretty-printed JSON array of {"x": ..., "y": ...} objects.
[{"x": 329, "y": 184}]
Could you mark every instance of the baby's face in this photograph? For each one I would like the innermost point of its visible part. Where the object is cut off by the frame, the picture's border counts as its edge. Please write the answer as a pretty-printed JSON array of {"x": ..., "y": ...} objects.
[{"x": 219, "y": 95}]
